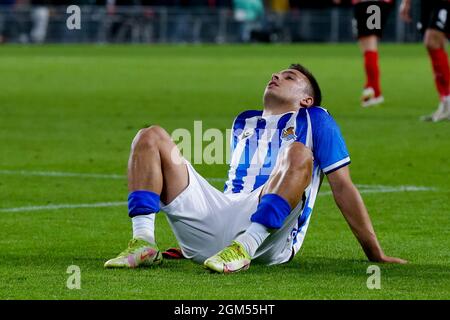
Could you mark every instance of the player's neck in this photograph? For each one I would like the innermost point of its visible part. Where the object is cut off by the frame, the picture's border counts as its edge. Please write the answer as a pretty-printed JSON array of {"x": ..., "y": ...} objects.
[{"x": 272, "y": 110}]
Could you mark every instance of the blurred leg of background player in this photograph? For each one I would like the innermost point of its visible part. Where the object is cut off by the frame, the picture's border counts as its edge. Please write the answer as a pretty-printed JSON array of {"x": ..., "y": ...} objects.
[
  {"x": 435, "y": 42},
  {"x": 434, "y": 20},
  {"x": 369, "y": 20},
  {"x": 371, "y": 94}
]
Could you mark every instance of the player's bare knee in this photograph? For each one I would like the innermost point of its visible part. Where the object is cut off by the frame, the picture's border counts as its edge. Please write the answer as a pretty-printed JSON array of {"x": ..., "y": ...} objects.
[
  {"x": 431, "y": 44},
  {"x": 149, "y": 137},
  {"x": 434, "y": 39}
]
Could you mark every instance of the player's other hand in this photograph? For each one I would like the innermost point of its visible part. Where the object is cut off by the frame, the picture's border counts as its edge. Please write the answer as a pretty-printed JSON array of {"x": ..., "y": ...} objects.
[
  {"x": 387, "y": 259},
  {"x": 405, "y": 10}
]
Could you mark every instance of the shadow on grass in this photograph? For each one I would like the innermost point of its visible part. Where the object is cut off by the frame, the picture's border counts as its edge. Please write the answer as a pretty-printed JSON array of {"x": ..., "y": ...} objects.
[
  {"x": 305, "y": 266},
  {"x": 350, "y": 267}
]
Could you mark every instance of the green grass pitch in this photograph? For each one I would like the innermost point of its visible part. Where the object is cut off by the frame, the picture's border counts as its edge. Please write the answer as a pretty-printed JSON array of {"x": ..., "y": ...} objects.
[{"x": 77, "y": 108}]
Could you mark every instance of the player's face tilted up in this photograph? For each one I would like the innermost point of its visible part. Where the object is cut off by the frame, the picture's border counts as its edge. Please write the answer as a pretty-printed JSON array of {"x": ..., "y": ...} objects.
[{"x": 288, "y": 88}]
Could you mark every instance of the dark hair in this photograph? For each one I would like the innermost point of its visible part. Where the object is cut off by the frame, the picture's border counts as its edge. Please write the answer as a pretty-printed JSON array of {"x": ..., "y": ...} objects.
[{"x": 314, "y": 85}]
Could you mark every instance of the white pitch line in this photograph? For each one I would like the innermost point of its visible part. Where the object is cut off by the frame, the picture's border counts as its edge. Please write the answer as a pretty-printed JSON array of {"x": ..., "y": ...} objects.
[
  {"x": 65, "y": 206},
  {"x": 211, "y": 179},
  {"x": 364, "y": 188},
  {"x": 118, "y": 204},
  {"x": 76, "y": 175},
  {"x": 387, "y": 189},
  {"x": 61, "y": 174}
]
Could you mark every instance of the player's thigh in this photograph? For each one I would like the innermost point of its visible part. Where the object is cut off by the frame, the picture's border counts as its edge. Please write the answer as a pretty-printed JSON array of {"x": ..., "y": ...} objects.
[
  {"x": 197, "y": 217},
  {"x": 368, "y": 43},
  {"x": 173, "y": 167},
  {"x": 434, "y": 39},
  {"x": 198, "y": 200}
]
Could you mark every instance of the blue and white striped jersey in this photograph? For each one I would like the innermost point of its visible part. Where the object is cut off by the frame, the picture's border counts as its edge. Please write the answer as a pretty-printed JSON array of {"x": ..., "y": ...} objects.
[{"x": 256, "y": 141}]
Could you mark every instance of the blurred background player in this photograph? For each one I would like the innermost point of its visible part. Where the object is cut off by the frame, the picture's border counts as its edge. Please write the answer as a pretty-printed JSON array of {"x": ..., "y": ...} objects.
[
  {"x": 434, "y": 23},
  {"x": 248, "y": 15},
  {"x": 6, "y": 7},
  {"x": 40, "y": 15},
  {"x": 368, "y": 42}
]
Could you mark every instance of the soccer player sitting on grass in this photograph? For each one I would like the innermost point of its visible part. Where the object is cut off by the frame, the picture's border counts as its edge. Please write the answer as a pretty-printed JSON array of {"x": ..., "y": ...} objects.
[{"x": 279, "y": 157}]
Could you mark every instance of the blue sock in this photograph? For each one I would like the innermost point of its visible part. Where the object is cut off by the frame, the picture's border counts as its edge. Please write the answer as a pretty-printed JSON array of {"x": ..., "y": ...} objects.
[
  {"x": 272, "y": 211},
  {"x": 142, "y": 202}
]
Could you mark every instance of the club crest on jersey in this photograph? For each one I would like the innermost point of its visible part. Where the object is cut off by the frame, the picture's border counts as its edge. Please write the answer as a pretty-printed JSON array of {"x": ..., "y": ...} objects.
[{"x": 288, "y": 134}]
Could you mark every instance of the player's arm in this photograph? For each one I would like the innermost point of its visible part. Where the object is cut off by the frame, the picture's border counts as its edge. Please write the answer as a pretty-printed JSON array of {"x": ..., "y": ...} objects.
[
  {"x": 352, "y": 206},
  {"x": 111, "y": 6},
  {"x": 405, "y": 10}
]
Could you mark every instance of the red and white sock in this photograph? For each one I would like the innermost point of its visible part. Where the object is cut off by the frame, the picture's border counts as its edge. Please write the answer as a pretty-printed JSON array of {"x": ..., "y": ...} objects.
[
  {"x": 372, "y": 71},
  {"x": 441, "y": 70}
]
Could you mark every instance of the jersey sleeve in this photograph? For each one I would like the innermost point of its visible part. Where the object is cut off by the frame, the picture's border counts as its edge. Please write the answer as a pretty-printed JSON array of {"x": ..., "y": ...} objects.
[{"x": 329, "y": 148}]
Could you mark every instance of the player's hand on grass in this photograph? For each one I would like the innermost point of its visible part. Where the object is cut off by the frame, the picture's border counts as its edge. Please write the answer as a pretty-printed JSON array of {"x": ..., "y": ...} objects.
[{"x": 387, "y": 259}]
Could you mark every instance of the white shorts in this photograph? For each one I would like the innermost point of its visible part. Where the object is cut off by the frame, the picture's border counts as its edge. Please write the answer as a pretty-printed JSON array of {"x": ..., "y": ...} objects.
[{"x": 205, "y": 220}]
